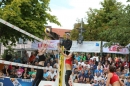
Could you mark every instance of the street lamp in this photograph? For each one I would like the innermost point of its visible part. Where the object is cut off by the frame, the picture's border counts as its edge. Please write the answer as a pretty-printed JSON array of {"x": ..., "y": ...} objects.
[{"x": 81, "y": 30}]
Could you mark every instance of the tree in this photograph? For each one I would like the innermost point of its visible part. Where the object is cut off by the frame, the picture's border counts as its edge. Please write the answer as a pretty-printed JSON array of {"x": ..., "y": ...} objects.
[
  {"x": 29, "y": 15},
  {"x": 110, "y": 23},
  {"x": 119, "y": 27}
]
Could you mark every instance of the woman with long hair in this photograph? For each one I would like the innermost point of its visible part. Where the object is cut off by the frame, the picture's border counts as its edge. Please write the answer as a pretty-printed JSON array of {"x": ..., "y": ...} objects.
[
  {"x": 112, "y": 77},
  {"x": 68, "y": 65},
  {"x": 41, "y": 60}
]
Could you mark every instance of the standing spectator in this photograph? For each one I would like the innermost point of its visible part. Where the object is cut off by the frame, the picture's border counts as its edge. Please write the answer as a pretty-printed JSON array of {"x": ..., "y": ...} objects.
[
  {"x": 25, "y": 57},
  {"x": 17, "y": 59},
  {"x": 32, "y": 57},
  {"x": 67, "y": 43}
]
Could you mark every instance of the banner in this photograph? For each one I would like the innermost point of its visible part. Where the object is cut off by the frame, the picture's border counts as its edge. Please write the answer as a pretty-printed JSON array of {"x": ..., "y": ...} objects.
[
  {"x": 87, "y": 46},
  {"x": 114, "y": 49},
  {"x": 52, "y": 44},
  {"x": 28, "y": 82}
]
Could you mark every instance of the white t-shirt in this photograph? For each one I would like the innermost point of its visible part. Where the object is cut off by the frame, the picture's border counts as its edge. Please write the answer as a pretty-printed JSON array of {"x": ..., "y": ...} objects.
[
  {"x": 50, "y": 67},
  {"x": 52, "y": 74},
  {"x": 97, "y": 59},
  {"x": 82, "y": 63}
]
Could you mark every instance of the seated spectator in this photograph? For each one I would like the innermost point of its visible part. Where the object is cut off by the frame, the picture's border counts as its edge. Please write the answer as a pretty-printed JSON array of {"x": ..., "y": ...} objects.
[
  {"x": 45, "y": 74},
  {"x": 95, "y": 83},
  {"x": 55, "y": 66},
  {"x": 99, "y": 64},
  {"x": 80, "y": 67},
  {"x": 128, "y": 81},
  {"x": 52, "y": 73},
  {"x": 56, "y": 63},
  {"x": 49, "y": 78},
  {"x": 85, "y": 68},
  {"x": 77, "y": 57},
  {"x": 125, "y": 73},
  {"x": 89, "y": 75},
  {"x": 87, "y": 80},
  {"x": 6, "y": 70},
  {"x": 81, "y": 79},
  {"x": 56, "y": 55},
  {"x": 48, "y": 66},
  {"x": 26, "y": 71},
  {"x": 98, "y": 71},
  {"x": 102, "y": 83},
  {"x": 75, "y": 65},
  {"x": 24, "y": 76},
  {"x": 54, "y": 78},
  {"x": 20, "y": 69},
  {"x": 81, "y": 76},
  {"x": 13, "y": 74},
  {"x": 96, "y": 57},
  {"x": 32, "y": 73},
  {"x": 75, "y": 80},
  {"x": 13, "y": 69},
  {"x": 81, "y": 62},
  {"x": 1, "y": 74},
  {"x": 19, "y": 74},
  {"x": 52, "y": 62}
]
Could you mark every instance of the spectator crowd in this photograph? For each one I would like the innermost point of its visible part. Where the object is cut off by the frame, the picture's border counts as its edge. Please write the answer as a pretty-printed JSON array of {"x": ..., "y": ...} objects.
[
  {"x": 87, "y": 69},
  {"x": 93, "y": 69},
  {"x": 30, "y": 73}
]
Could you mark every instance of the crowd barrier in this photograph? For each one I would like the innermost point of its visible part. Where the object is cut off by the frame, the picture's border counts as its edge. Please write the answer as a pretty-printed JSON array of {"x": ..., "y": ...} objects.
[{"x": 28, "y": 82}]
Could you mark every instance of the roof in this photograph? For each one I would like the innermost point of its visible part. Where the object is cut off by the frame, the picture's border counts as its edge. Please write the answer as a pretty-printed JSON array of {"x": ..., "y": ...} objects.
[{"x": 60, "y": 32}]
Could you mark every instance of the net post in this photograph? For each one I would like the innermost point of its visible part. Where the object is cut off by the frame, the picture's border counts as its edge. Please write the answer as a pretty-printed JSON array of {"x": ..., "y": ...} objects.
[{"x": 61, "y": 65}]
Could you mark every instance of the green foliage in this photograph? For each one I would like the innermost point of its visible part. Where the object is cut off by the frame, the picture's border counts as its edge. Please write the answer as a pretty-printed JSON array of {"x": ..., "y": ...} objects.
[
  {"x": 29, "y": 15},
  {"x": 109, "y": 23}
]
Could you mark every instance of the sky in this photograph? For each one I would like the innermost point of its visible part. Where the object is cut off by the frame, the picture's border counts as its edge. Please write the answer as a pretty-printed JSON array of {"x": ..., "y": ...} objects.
[{"x": 68, "y": 11}]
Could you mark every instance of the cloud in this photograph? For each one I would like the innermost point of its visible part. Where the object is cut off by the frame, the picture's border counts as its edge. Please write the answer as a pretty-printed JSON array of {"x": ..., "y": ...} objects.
[{"x": 77, "y": 9}]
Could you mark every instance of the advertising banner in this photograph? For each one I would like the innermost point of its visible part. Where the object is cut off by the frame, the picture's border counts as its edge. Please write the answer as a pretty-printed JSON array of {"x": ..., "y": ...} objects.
[
  {"x": 20, "y": 82},
  {"x": 115, "y": 49},
  {"x": 52, "y": 44},
  {"x": 87, "y": 46}
]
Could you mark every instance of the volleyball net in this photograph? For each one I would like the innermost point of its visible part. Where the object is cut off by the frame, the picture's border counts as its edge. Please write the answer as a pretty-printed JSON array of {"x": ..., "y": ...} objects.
[{"x": 26, "y": 65}]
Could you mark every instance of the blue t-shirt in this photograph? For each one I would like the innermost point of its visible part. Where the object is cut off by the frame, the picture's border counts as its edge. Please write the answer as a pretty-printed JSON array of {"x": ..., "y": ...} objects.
[
  {"x": 127, "y": 83},
  {"x": 45, "y": 75},
  {"x": 98, "y": 71}
]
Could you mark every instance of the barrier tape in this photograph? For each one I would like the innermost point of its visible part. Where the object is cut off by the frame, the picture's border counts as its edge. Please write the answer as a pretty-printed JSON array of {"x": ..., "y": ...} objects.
[{"x": 25, "y": 65}]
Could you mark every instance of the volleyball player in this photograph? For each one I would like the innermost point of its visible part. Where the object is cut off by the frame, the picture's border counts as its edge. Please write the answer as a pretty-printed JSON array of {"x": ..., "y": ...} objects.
[
  {"x": 112, "y": 78},
  {"x": 68, "y": 65},
  {"x": 41, "y": 60}
]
